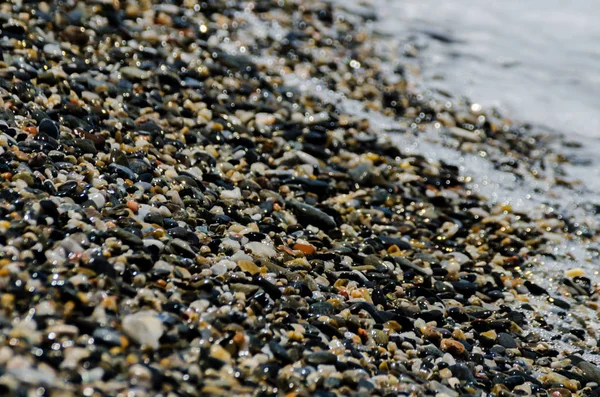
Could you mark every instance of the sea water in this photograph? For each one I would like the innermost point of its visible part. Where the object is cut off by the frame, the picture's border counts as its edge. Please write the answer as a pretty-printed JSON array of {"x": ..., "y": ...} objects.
[{"x": 539, "y": 60}]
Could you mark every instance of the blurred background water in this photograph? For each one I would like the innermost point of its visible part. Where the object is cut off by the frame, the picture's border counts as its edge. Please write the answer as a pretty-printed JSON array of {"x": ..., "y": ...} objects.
[{"x": 537, "y": 60}]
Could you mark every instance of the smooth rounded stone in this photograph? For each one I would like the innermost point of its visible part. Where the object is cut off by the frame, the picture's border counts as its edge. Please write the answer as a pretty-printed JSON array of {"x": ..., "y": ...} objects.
[
  {"x": 498, "y": 349},
  {"x": 126, "y": 237},
  {"x": 261, "y": 249},
  {"x": 135, "y": 74},
  {"x": 513, "y": 381},
  {"x": 589, "y": 371},
  {"x": 186, "y": 180},
  {"x": 362, "y": 174},
  {"x": 118, "y": 157},
  {"x": 25, "y": 177},
  {"x": 182, "y": 248},
  {"x": 102, "y": 266},
  {"x": 388, "y": 241},
  {"x": 218, "y": 352},
  {"x": 431, "y": 350},
  {"x": 122, "y": 171},
  {"x": 379, "y": 337},
  {"x": 86, "y": 146},
  {"x": 554, "y": 378},
  {"x": 98, "y": 199},
  {"x": 462, "y": 372},
  {"x": 248, "y": 267},
  {"x": 235, "y": 194},
  {"x": 140, "y": 375},
  {"x": 50, "y": 128},
  {"x": 155, "y": 218},
  {"x": 452, "y": 346},
  {"x": 71, "y": 245},
  {"x": 230, "y": 244},
  {"x": 279, "y": 352},
  {"x": 52, "y": 50},
  {"x": 247, "y": 289},
  {"x": 442, "y": 390},
  {"x": 507, "y": 341},
  {"x": 107, "y": 336},
  {"x": 321, "y": 358},
  {"x": 218, "y": 269},
  {"x": 322, "y": 309},
  {"x": 308, "y": 215},
  {"x": 139, "y": 166},
  {"x": 465, "y": 287},
  {"x": 24, "y": 373},
  {"x": 144, "y": 327}
]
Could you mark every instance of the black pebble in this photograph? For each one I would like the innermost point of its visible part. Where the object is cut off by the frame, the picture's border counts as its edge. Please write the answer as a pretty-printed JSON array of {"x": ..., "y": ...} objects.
[{"x": 49, "y": 127}]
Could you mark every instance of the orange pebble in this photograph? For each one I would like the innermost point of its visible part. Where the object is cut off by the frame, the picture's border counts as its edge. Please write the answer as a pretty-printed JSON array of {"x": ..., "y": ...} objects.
[
  {"x": 285, "y": 249},
  {"x": 305, "y": 248},
  {"x": 239, "y": 338},
  {"x": 362, "y": 333},
  {"x": 132, "y": 205},
  {"x": 30, "y": 130}
]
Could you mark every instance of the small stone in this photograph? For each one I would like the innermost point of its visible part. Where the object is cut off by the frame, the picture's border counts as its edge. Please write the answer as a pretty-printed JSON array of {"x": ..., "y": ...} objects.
[
  {"x": 322, "y": 309},
  {"x": 590, "y": 371},
  {"x": 307, "y": 249},
  {"x": 25, "y": 177},
  {"x": 118, "y": 157},
  {"x": 263, "y": 120},
  {"x": 575, "y": 272},
  {"x": 50, "y": 128},
  {"x": 552, "y": 378},
  {"x": 320, "y": 358},
  {"x": 234, "y": 194},
  {"x": 462, "y": 372},
  {"x": 260, "y": 249},
  {"x": 248, "y": 267},
  {"x": 218, "y": 269},
  {"x": 507, "y": 340},
  {"x": 144, "y": 327},
  {"x": 308, "y": 215},
  {"x": 489, "y": 336},
  {"x": 452, "y": 346},
  {"x": 107, "y": 336},
  {"x": 98, "y": 199},
  {"x": 52, "y": 50},
  {"x": 135, "y": 74},
  {"x": 219, "y": 353}
]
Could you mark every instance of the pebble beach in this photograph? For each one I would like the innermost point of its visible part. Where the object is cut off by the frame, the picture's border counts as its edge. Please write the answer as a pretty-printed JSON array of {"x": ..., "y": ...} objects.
[{"x": 219, "y": 198}]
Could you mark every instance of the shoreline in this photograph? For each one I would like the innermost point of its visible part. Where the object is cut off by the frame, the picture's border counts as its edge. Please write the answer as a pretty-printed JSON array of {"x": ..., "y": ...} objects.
[{"x": 247, "y": 200}]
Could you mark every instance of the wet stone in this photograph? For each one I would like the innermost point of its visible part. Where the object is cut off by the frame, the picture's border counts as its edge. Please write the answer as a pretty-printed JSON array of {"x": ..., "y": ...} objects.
[
  {"x": 49, "y": 127},
  {"x": 322, "y": 308},
  {"x": 321, "y": 358}
]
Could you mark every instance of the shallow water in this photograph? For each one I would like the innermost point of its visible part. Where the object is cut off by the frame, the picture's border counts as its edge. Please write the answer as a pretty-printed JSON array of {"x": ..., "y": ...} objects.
[{"x": 538, "y": 60}]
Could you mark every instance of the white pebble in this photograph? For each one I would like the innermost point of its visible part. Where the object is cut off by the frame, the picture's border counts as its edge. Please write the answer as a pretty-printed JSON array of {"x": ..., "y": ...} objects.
[
  {"x": 98, "y": 199},
  {"x": 144, "y": 328},
  {"x": 218, "y": 269},
  {"x": 260, "y": 249},
  {"x": 235, "y": 194}
]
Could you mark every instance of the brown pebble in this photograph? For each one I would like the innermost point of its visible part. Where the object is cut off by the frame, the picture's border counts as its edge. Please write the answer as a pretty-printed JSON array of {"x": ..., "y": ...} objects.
[
  {"x": 307, "y": 249},
  {"x": 452, "y": 346}
]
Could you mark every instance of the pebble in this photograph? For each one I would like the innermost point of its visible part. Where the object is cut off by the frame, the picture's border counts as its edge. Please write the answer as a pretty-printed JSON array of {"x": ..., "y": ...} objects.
[
  {"x": 52, "y": 50},
  {"x": 260, "y": 249},
  {"x": 49, "y": 127},
  {"x": 144, "y": 327}
]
